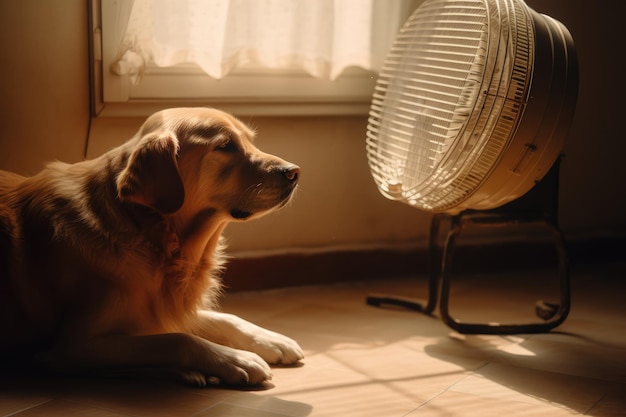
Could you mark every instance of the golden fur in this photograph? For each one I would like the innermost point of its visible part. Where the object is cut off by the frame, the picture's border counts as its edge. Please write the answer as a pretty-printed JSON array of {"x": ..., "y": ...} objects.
[{"x": 113, "y": 263}]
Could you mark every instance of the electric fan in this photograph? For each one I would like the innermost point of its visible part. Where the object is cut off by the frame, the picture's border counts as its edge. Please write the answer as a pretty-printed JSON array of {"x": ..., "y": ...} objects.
[{"x": 469, "y": 112}]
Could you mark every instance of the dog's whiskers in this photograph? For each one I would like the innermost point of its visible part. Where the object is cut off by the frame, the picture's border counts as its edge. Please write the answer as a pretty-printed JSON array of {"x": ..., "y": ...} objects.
[{"x": 248, "y": 195}]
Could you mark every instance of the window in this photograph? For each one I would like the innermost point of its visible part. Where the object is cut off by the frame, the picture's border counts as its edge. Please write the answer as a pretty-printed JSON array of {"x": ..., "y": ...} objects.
[{"x": 137, "y": 85}]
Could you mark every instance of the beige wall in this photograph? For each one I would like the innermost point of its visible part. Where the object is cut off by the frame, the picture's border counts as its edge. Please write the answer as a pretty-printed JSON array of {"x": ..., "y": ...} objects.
[
  {"x": 44, "y": 100},
  {"x": 43, "y": 81}
]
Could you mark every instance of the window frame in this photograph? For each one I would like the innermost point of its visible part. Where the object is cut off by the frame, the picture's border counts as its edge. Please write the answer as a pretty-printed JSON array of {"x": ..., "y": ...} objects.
[{"x": 244, "y": 92}]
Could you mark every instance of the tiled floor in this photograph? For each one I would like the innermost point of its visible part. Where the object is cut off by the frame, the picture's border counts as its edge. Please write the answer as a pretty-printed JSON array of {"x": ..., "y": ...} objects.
[{"x": 365, "y": 361}]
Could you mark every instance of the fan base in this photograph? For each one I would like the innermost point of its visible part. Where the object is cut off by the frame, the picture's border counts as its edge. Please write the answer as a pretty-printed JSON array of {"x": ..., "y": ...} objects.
[{"x": 538, "y": 207}]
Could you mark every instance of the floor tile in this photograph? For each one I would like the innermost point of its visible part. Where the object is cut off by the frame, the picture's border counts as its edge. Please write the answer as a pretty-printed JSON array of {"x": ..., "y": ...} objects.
[
  {"x": 12, "y": 403},
  {"x": 613, "y": 405},
  {"x": 146, "y": 398},
  {"x": 510, "y": 383},
  {"x": 389, "y": 362},
  {"x": 456, "y": 404},
  {"x": 61, "y": 408},
  {"x": 236, "y": 410}
]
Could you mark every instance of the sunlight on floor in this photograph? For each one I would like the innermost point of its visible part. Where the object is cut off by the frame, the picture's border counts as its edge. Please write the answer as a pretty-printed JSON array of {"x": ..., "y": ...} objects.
[{"x": 367, "y": 361}]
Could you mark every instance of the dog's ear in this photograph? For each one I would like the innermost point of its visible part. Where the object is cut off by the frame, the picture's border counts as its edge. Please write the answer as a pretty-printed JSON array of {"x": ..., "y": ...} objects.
[{"x": 151, "y": 177}]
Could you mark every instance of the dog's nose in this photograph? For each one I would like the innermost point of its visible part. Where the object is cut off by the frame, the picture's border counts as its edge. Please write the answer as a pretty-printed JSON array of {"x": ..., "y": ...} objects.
[{"x": 292, "y": 172}]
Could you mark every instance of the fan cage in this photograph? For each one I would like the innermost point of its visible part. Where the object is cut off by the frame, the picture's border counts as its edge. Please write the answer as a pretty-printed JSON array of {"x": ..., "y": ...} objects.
[{"x": 449, "y": 100}]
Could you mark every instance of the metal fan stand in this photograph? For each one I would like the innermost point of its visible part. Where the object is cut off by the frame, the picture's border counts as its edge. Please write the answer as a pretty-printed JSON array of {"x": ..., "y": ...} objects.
[{"x": 538, "y": 206}]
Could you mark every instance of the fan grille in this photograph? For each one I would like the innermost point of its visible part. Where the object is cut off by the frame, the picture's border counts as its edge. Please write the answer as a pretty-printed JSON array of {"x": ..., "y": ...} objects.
[{"x": 448, "y": 99}]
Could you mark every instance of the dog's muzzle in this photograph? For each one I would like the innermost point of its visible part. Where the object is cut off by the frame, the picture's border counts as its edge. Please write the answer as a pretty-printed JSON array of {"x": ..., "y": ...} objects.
[{"x": 262, "y": 201}]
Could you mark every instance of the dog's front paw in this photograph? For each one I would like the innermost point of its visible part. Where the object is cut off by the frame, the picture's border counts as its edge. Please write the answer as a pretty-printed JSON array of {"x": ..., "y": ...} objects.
[
  {"x": 275, "y": 348},
  {"x": 239, "y": 367},
  {"x": 197, "y": 378},
  {"x": 221, "y": 364},
  {"x": 246, "y": 368},
  {"x": 231, "y": 330}
]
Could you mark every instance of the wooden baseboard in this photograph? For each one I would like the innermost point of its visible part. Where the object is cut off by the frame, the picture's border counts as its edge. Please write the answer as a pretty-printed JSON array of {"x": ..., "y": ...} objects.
[{"x": 297, "y": 269}]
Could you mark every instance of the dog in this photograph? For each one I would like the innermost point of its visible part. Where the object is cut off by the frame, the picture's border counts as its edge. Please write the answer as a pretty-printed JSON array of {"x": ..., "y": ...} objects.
[{"x": 113, "y": 264}]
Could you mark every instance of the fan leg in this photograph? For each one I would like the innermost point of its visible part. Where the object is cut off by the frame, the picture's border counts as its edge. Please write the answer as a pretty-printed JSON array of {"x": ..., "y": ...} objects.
[
  {"x": 553, "y": 314},
  {"x": 435, "y": 267}
]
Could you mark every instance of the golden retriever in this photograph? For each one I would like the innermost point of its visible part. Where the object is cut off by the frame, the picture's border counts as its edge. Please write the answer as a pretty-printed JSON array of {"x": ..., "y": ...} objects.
[{"x": 112, "y": 264}]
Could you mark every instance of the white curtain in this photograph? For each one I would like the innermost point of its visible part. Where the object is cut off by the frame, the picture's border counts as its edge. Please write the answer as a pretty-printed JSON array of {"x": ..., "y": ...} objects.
[{"x": 321, "y": 37}]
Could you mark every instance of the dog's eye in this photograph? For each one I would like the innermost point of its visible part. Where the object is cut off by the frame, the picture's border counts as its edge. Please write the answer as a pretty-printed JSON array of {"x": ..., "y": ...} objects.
[{"x": 228, "y": 145}]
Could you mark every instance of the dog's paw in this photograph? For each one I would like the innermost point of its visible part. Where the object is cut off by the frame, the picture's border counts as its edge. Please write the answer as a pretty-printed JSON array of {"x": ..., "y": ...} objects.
[
  {"x": 275, "y": 348},
  {"x": 194, "y": 378},
  {"x": 246, "y": 368},
  {"x": 227, "y": 366},
  {"x": 231, "y": 330}
]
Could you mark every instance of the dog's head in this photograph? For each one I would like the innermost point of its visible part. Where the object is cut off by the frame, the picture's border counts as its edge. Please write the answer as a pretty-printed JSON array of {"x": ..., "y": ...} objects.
[{"x": 200, "y": 160}]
